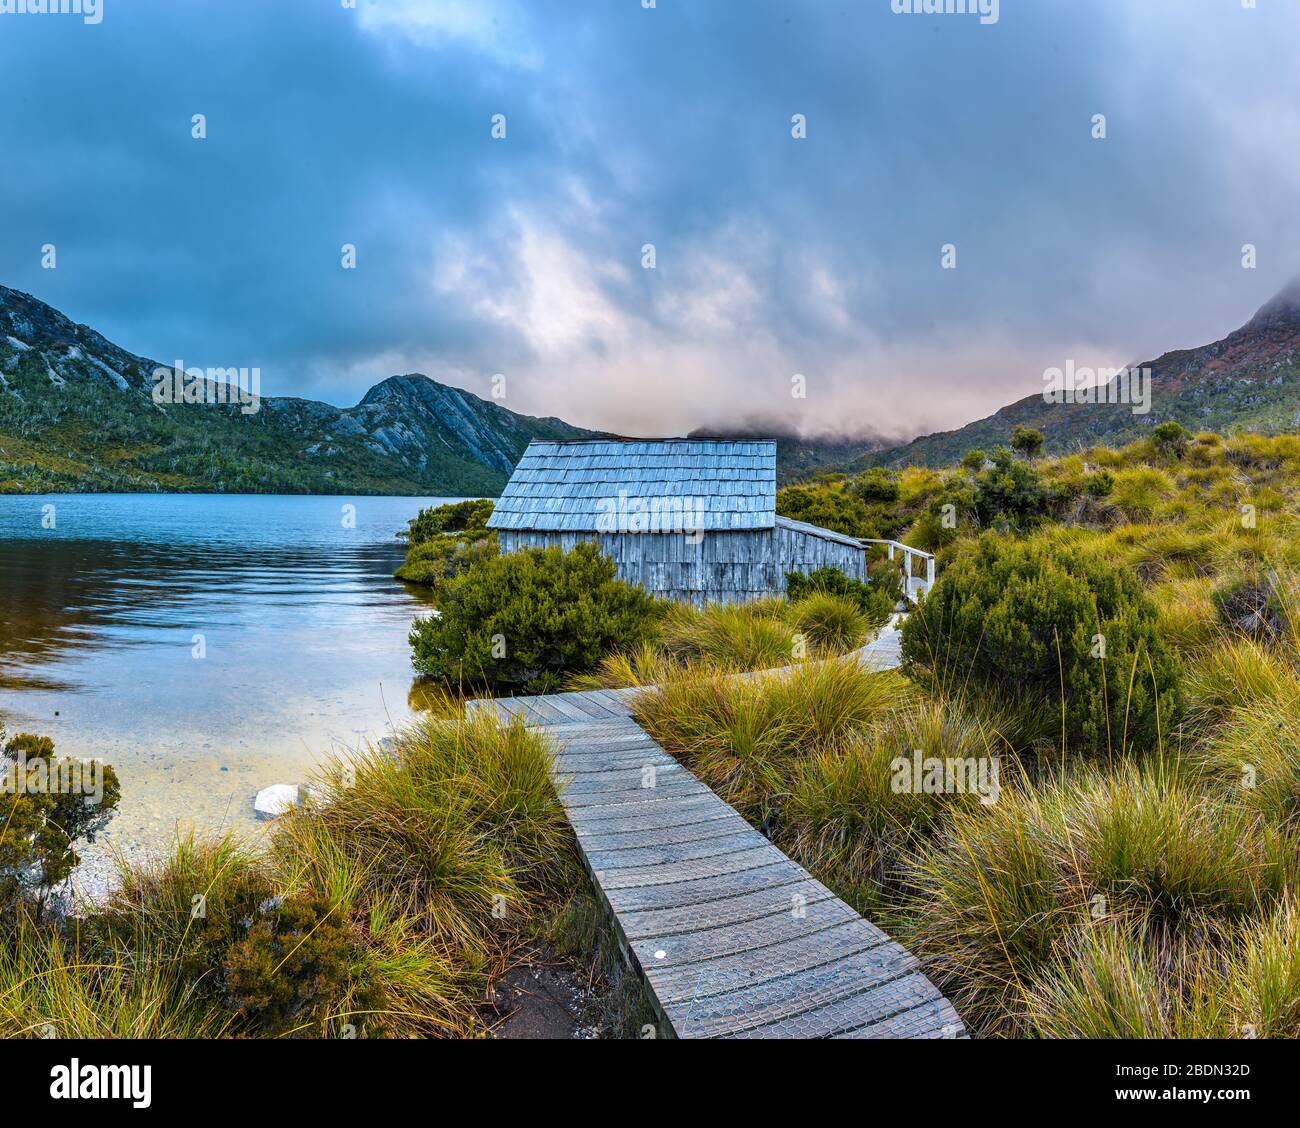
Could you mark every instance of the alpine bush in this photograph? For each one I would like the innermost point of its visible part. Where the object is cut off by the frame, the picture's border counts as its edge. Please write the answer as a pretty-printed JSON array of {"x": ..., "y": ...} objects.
[
  {"x": 526, "y": 621},
  {"x": 1027, "y": 619}
]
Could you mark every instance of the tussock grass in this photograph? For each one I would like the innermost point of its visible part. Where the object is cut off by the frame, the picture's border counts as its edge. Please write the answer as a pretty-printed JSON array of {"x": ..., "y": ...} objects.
[
  {"x": 830, "y": 624},
  {"x": 1004, "y": 891},
  {"x": 743, "y": 736},
  {"x": 50, "y": 987},
  {"x": 1265, "y": 982},
  {"x": 1107, "y": 982},
  {"x": 1187, "y": 616},
  {"x": 738, "y": 636},
  {"x": 1113, "y": 983},
  {"x": 762, "y": 634},
  {"x": 1255, "y": 755},
  {"x": 387, "y": 903},
  {"x": 848, "y": 820},
  {"x": 1238, "y": 674},
  {"x": 647, "y": 665},
  {"x": 1139, "y": 491},
  {"x": 462, "y": 823}
]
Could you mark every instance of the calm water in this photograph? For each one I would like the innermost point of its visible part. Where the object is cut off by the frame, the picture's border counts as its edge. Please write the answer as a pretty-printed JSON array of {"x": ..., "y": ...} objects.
[{"x": 301, "y": 628}]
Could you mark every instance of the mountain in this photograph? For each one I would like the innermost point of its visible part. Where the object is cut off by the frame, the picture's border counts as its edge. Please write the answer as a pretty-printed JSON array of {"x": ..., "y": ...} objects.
[
  {"x": 76, "y": 414},
  {"x": 799, "y": 456},
  {"x": 1249, "y": 381}
]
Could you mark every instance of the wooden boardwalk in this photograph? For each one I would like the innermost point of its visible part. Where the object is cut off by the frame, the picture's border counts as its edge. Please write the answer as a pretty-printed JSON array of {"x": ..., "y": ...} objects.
[{"x": 734, "y": 939}]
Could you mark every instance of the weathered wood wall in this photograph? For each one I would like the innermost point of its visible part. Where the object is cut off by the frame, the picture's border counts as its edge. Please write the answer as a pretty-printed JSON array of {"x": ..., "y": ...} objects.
[{"x": 725, "y": 567}]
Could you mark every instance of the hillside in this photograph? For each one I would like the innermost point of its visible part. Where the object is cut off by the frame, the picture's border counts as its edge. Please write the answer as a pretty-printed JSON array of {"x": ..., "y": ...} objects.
[
  {"x": 76, "y": 415},
  {"x": 1249, "y": 381},
  {"x": 798, "y": 456}
]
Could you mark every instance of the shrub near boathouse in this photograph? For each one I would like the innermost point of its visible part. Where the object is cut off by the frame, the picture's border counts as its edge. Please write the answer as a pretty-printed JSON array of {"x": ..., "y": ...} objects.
[
  {"x": 1028, "y": 620},
  {"x": 526, "y": 621}
]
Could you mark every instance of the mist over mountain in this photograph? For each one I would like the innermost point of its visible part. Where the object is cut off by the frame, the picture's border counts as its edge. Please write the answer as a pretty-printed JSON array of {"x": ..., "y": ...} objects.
[{"x": 1248, "y": 381}]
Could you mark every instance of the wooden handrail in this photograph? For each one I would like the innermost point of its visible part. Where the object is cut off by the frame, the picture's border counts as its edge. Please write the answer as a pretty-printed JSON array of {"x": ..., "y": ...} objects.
[{"x": 911, "y": 585}]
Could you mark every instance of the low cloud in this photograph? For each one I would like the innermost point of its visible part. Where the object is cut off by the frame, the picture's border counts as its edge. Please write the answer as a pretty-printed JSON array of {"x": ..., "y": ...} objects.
[{"x": 669, "y": 127}]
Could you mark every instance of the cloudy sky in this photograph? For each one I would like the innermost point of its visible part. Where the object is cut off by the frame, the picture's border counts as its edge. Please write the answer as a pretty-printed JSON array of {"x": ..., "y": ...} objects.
[{"x": 671, "y": 126}]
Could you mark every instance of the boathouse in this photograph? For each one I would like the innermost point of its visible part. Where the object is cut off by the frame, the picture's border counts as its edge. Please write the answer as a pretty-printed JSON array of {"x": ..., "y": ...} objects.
[{"x": 688, "y": 519}]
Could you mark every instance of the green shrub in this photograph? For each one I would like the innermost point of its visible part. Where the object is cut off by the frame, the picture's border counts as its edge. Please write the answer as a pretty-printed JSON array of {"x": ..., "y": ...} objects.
[
  {"x": 1101, "y": 484},
  {"x": 1025, "y": 619},
  {"x": 295, "y": 960},
  {"x": 1171, "y": 438},
  {"x": 525, "y": 621},
  {"x": 447, "y": 541},
  {"x": 876, "y": 487},
  {"x": 468, "y": 518},
  {"x": 1027, "y": 441},
  {"x": 441, "y": 558},
  {"x": 875, "y": 600},
  {"x": 47, "y": 806},
  {"x": 1012, "y": 493},
  {"x": 828, "y": 505}
]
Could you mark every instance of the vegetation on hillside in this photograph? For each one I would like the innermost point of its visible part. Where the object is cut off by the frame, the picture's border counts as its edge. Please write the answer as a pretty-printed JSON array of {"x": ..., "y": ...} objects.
[
  {"x": 77, "y": 414},
  {"x": 1112, "y": 643},
  {"x": 1247, "y": 382}
]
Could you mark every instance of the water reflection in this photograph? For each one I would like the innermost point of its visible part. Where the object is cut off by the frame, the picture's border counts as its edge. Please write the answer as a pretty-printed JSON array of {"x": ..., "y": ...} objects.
[{"x": 206, "y": 646}]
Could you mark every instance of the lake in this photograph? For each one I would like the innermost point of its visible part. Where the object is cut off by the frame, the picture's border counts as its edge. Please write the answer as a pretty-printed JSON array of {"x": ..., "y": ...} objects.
[{"x": 205, "y": 645}]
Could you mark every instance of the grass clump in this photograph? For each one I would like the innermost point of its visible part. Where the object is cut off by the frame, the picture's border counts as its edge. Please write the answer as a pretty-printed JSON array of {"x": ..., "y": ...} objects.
[
  {"x": 850, "y": 819},
  {"x": 382, "y": 908},
  {"x": 743, "y": 736},
  {"x": 830, "y": 624},
  {"x": 734, "y": 636},
  {"x": 1004, "y": 891}
]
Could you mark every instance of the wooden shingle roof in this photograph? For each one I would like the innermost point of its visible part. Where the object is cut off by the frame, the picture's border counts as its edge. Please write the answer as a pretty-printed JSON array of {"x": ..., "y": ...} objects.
[{"x": 575, "y": 486}]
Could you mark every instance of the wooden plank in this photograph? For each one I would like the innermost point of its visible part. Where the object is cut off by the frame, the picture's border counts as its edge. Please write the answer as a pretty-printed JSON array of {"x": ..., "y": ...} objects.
[
  {"x": 561, "y": 704},
  {"x": 734, "y": 939},
  {"x": 664, "y": 854},
  {"x": 692, "y": 832},
  {"x": 543, "y": 708},
  {"x": 592, "y": 703}
]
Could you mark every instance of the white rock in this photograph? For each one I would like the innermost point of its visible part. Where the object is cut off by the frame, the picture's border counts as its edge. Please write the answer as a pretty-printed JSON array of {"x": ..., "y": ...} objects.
[{"x": 276, "y": 800}]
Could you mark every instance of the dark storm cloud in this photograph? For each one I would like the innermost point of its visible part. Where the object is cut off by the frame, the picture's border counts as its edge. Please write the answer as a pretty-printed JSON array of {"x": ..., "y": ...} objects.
[{"x": 668, "y": 126}]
